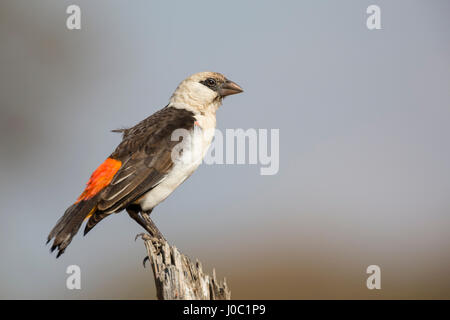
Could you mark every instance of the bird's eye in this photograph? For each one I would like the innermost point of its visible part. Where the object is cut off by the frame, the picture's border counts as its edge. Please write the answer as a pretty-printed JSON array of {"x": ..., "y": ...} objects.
[{"x": 211, "y": 82}]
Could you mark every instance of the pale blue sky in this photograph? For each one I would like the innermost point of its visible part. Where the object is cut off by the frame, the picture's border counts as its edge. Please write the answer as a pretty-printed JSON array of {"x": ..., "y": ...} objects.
[{"x": 364, "y": 129}]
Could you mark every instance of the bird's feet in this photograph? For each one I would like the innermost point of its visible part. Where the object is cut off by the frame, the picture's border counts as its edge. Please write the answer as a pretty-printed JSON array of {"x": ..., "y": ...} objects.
[
  {"x": 157, "y": 243},
  {"x": 143, "y": 236}
]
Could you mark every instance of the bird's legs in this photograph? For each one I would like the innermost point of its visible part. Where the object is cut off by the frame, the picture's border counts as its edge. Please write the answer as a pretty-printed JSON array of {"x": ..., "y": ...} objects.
[
  {"x": 147, "y": 223},
  {"x": 144, "y": 221},
  {"x": 151, "y": 225}
]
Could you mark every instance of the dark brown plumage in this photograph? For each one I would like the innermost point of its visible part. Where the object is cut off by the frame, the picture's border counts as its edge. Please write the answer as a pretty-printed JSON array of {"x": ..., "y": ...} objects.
[
  {"x": 145, "y": 154},
  {"x": 141, "y": 173}
]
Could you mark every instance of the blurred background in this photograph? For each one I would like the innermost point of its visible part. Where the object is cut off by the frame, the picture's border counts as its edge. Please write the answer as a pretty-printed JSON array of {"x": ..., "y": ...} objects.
[{"x": 364, "y": 132}]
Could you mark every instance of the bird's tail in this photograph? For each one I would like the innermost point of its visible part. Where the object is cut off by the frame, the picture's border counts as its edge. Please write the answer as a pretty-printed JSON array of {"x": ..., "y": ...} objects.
[{"x": 69, "y": 224}]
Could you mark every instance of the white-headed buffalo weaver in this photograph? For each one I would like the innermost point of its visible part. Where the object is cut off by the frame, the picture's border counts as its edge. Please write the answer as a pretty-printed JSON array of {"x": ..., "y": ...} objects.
[{"x": 142, "y": 172}]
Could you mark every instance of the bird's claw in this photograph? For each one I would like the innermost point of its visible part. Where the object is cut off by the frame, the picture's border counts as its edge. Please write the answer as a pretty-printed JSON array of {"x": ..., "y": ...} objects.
[
  {"x": 145, "y": 260},
  {"x": 156, "y": 244},
  {"x": 143, "y": 236}
]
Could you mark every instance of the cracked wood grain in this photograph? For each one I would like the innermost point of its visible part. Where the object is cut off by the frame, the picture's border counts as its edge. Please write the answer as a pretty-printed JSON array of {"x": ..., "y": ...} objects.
[{"x": 177, "y": 277}]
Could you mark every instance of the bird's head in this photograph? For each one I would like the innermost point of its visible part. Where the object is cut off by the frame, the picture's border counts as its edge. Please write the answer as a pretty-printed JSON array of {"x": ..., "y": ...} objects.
[{"x": 204, "y": 91}]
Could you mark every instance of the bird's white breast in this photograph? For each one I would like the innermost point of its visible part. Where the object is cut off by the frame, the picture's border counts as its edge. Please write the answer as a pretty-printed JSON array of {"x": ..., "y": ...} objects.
[{"x": 194, "y": 149}]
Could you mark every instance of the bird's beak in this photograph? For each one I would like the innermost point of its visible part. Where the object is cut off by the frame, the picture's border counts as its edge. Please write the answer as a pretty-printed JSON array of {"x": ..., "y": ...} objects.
[{"x": 228, "y": 88}]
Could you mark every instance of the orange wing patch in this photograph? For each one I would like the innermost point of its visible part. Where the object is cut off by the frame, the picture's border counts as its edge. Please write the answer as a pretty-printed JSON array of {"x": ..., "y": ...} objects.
[{"x": 101, "y": 177}]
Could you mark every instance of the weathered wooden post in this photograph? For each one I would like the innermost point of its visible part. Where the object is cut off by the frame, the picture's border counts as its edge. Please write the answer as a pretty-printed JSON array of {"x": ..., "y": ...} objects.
[{"x": 178, "y": 278}]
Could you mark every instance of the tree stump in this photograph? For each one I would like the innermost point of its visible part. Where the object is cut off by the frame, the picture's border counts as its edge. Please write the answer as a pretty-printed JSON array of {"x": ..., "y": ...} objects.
[{"x": 178, "y": 278}]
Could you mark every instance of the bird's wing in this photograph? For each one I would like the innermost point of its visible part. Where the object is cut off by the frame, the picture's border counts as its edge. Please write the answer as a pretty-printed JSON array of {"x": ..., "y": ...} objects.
[
  {"x": 140, "y": 173},
  {"x": 146, "y": 156}
]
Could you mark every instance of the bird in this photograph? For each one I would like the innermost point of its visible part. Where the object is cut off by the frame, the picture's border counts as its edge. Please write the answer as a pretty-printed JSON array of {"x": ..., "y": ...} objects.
[{"x": 150, "y": 162}]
